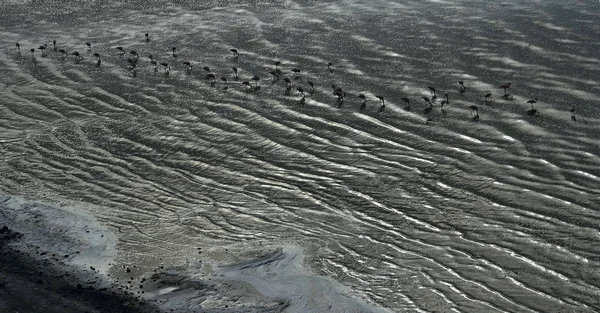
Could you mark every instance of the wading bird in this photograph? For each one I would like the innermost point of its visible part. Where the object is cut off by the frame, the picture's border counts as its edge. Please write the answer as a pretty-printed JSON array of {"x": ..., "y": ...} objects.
[
  {"x": 407, "y": 107},
  {"x": 18, "y": 48},
  {"x": 147, "y": 37},
  {"x": 462, "y": 85},
  {"x": 247, "y": 86},
  {"x": 303, "y": 99},
  {"x": 382, "y": 107},
  {"x": 42, "y": 48},
  {"x": 167, "y": 68},
  {"x": 99, "y": 61},
  {"x": 506, "y": 87},
  {"x": 363, "y": 105},
  {"x": 329, "y": 67},
  {"x": 256, "y": 79},
  {"x": 121, "y": 50},
  {"x": 486, "y": 98},
  {"x": 296, "y": 73},
  {"x": 235, "y": 73},
  {"x": 54, "y": 44},
  {"x": 428, "y": 109},
  {"x": 532, "y": 111},
  {"x": 288, "y": 88},
  {"x": 312, "y": 87},
  {"x": 89, "y": 45},
  {"x": 236, "y": 54},
  {"x": 78, "y": 57},
  {"x": 188, "y": 67},
  {"x": 433, "y": 94},
  {"x": 153, "y": 62},
  {"x": 173, "y": 52},
  {"x": 64, "y": 53},
  {"x": 210, "y": 77},
  {"x": 474, "y": 108},
  {"x": 445, "y": 101},
  {"x": 33, "y": 59},
  {"x": 224, "y": 80}
]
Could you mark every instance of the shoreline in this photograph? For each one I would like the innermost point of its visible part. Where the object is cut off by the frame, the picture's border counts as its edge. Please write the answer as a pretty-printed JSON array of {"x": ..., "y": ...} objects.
[{"x": 31, "y": 285}]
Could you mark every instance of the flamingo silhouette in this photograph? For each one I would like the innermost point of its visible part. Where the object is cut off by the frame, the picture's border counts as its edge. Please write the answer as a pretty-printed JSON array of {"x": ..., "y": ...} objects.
[
  {"x": 475, "y": 109},
  {"x": 382, "y": 103},
  {"x": 363, "y": 105},
  {"x": 405, "y": 99},
  {"x": 42, "y": 48},
  {"x": 532, "y": 111},
  {"x": 486, "y": 98},
  {"x": 235, "y": 73},
  {"x": 99, "y": 61}
]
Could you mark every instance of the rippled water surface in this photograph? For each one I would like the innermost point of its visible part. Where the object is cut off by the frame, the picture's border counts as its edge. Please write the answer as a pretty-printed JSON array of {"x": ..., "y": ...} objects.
[{"x": 500, "y": 215}]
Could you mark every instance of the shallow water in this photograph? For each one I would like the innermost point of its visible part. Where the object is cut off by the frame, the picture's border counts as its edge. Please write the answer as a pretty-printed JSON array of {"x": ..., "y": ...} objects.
[{"x": 497, "y": 216}]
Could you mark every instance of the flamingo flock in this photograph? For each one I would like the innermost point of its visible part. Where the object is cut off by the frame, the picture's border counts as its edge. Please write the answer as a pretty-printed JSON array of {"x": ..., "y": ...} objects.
[{"x": 277, "y": 73}]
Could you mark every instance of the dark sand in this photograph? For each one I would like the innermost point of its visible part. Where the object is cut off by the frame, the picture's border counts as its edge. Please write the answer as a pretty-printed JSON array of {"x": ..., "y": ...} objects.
[{"x": 31, "y": 285}]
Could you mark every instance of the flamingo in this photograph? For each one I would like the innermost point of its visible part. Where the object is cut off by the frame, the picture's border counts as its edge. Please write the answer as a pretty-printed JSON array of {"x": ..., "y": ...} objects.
[
  {"x": 312, "y": 87},
  {"x": 288, "y": 88},
  {"x": 18, "y": 48},
  {"x": 167, "y": 67},
  {"x": 33, "y": 59},
  {"x": 277, "y": 63},
  {"x": 434, "y": 95},
  {"x": 364, "y": 103},
  {"x": 382, "y": 103},
  {"x": 428, "y": 109},
  {"x": 153, "y": 62},
  {"x": 405, "y": 99},
  {"x": 77, "y": 55},
  {"x": 445, "y": 101},
  {"x": 147, "y": 37},
  {"x": 97, "y": 55},
  {"x": 247, "y": 86},
  {"x": 506, "y": 87},
  {"x": 303, "y": 99},
  {"x": 297, "y": 73},
  {"x": 135, "y": 54},
  {"x": 236, "y": 54},
  {"x": 54, "y": 44},
  {"x": 256, "y": 79},
  {"x": 224, "y": 79},
  {"x": 188, "y": 67},
  {"x": 462, "y": 84},
  {"x": 211, "y": 78},
  {"x": 64, "y": 53},
  {"x": 42, "y": 48},
  {"x": 339, "y": 93},
  {"x": 235, "y": 72},
  {"x": 532, "y": 111},
  {"x": 486, "y": 98},
  {"x": 475, "y": 109},
  {"x": 89, "y": 45},
  {"x": 329, "y": 67}
]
